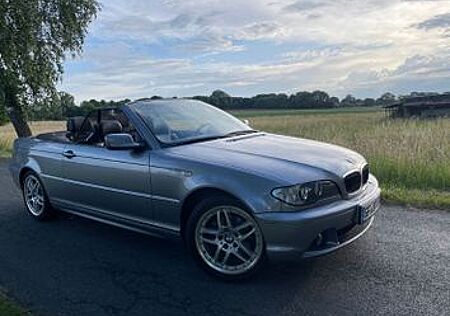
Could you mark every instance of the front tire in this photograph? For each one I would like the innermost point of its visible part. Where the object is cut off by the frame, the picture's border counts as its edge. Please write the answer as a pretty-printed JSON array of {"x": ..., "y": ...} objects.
[
  {"x": 224, "y": 239},
  {"x": 35, "y": 197}
]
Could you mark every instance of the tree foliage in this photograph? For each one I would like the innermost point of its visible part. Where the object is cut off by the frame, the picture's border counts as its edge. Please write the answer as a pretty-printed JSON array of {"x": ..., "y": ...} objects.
[
  {"x": 299, "y": 100},
  {"x": 36, "y": 36}
]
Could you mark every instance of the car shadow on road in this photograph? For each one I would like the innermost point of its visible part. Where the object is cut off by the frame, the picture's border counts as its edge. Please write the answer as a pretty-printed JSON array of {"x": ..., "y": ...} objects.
[
  {"x": 157, "y": 252},
  {"x": 107, "y": 261},
  {"x": 74, "y": 266}
]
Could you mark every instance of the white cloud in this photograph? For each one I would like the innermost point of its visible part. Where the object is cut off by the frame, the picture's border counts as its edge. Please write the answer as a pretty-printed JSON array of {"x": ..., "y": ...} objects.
[{"x": 357, "y": 46}]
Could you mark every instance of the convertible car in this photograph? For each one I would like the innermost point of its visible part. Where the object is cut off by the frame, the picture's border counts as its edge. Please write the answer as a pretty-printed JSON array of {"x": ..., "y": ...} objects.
[{"x": 182, "y": 168}]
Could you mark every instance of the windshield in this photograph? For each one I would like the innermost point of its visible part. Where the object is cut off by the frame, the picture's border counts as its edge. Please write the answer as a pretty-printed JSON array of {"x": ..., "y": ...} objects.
[{"x": 184, "y": 121}]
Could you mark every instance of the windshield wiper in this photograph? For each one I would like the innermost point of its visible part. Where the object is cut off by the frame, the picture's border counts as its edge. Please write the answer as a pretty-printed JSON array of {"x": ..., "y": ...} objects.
[
  {"x": 207, "y": 138},
  {"x": 198, "y": 140},
  {"x": 239, "y": 133}
]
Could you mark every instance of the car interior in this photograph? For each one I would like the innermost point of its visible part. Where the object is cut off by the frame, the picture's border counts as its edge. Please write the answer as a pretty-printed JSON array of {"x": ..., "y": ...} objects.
[{"x": 93, "y": 128}]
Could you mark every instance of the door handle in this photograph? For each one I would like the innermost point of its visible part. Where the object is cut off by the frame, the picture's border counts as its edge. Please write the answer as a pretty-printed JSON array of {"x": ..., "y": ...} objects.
[{"x": 69, "y": 154}]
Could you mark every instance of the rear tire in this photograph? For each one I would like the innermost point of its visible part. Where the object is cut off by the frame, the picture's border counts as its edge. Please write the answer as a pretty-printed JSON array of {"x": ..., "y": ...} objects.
[
  {"x": 225, "y": 239},
  {"x": 35, "y": 197}
]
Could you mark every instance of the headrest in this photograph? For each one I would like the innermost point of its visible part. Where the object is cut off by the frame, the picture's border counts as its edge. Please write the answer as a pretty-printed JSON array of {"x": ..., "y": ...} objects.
[
  {"x": 111, "y": 127},
  {"x": 73, "y": 126}
]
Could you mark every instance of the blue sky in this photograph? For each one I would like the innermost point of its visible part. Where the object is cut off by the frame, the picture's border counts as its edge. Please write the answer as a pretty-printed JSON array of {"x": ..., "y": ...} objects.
[{"x": 140, "y": 48}]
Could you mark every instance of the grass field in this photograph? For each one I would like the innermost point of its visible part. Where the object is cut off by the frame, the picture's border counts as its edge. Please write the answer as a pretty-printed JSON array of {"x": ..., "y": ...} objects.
[
  {"x": 255, "y": 113},
  {"x": 7, "y": 134},
  {"x": 411, "y": 158}
]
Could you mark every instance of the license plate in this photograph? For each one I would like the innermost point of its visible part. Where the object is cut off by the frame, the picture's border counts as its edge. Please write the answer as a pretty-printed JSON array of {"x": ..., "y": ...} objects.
[{"x": 366, "y": 212}]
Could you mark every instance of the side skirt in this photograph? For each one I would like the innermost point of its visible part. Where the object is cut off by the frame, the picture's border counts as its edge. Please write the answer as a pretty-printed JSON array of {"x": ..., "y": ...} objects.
[{"x": 151, "y": 229}]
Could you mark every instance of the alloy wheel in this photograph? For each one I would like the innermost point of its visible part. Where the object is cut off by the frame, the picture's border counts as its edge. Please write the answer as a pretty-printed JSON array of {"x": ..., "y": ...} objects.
[
  {"x": 229, "y": 240},
  {"x": 34, "y": 195}
]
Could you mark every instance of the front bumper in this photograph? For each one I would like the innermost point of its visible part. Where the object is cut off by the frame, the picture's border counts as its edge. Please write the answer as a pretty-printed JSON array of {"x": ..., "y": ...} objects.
[{"x": 301, "y": 234}]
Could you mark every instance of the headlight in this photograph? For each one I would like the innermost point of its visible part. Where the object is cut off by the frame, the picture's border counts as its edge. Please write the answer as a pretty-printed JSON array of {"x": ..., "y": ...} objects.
[{"x": 307, "y": 193}]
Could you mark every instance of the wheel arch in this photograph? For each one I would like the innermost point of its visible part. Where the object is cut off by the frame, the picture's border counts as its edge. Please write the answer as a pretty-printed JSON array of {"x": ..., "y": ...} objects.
[
  {"x": 30, "y": 165},
  {"x": 23, "y": 172},
  {"x": 194, "y": 197}
]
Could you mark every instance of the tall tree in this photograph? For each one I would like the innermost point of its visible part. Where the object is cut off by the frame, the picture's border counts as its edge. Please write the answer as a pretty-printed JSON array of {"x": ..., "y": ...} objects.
[
  {"x": 35, "y": 38},
  {"x": 349, "y": 100},
  {"x": 386, "y": 98},
  {"x": 3, "y": 116}
]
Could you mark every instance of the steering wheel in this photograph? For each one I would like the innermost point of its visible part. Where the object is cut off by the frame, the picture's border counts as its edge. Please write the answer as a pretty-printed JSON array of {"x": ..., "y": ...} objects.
[
  {"x": 173, "y": 135},
  {"x": 202, "y": 127}
]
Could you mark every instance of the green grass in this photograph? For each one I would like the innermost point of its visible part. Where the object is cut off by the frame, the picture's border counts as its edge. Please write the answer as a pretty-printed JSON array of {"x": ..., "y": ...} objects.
[
  {"x": 418, "y": 198},
  {"x": 8, "y": 308},
  {"x": 5, "y": 149}
]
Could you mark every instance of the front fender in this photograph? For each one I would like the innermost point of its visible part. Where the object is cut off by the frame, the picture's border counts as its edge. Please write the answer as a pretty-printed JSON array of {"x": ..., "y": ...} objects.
[
  {"x": 174, "y": 179},
  {"x": 22, "y": 160},
  {"x": 252, "y": 190}
]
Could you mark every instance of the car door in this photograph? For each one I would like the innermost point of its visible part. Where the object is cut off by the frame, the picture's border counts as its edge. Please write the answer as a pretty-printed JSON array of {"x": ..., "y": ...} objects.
[
  {"x": 109, "y": 182},
  {"x": 106, "y": 182}
]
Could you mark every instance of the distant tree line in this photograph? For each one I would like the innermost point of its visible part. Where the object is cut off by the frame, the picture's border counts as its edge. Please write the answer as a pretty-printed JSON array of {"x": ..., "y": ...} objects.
[
  {"x": 64, "y": 105},
  {"x": 300, "y": 100}
]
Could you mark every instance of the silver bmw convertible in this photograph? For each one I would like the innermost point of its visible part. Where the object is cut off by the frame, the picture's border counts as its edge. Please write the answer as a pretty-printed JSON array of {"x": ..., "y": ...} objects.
[{"x": 185, "y": 169}]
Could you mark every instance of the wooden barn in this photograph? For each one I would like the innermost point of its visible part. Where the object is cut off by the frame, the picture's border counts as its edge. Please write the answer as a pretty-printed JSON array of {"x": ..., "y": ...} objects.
[{"x": 422, "y": 107}]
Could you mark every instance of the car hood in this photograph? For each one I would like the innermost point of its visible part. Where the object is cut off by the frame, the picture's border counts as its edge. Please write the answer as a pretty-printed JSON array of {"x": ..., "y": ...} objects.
[{"x": 288, "y": 157}]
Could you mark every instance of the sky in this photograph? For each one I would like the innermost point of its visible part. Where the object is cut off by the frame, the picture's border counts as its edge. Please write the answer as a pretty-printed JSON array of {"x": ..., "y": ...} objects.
[{"x": 138, "y": 48}]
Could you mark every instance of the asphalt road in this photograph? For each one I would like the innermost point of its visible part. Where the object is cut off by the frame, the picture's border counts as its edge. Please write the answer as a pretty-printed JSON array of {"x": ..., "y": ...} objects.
[{"x": 73, "y": 266}]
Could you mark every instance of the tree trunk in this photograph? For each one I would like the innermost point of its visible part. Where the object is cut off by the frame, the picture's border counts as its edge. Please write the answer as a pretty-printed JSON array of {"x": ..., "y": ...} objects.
[{"x": 16, "y": 115}]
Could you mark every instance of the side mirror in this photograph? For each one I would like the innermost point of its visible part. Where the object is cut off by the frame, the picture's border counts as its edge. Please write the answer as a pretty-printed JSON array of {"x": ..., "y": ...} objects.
[
  {"x": 121, "y": 141},
  {"x": 246, "y": 122}
]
